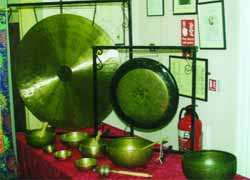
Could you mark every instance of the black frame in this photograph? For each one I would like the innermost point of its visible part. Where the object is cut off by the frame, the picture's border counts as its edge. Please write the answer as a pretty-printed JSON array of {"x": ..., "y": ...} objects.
[
  {"x": 59, "y": 3},
  {"x": 206, "y": 75},
  {"x": 162, "y": 13},
  {"x": 223, "y": 25},
  {"x": 205, "y": 1},
  {"x": 187, "y": 49},
  {"x": 195, "y": 10},
  {"x": 169, "y": 82}
]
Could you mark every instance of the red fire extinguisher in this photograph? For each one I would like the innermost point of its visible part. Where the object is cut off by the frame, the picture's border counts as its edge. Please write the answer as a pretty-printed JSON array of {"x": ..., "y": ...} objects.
[{"x": 184, "y": 130}]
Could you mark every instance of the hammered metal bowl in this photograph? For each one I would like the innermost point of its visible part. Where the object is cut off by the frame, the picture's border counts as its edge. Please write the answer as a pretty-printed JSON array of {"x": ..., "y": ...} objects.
[
  {"x": 72, "y": 139},
  {"x": 209, "y": 164},
  {"x": 34, "y": 138},
  {"x": 62, "y": 154},
  {"x": 128, "y": 152},
  {"x": 85, "y": 163},
  {"x": 92, "y": 148}
]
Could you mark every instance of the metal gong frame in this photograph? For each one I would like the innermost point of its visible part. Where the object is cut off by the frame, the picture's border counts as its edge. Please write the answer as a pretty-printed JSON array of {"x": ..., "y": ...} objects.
[{"x": 192, "y": 50}]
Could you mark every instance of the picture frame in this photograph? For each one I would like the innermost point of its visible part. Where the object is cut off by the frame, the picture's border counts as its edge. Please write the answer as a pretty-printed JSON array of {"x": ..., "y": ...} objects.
[
  {"x": 181, "y": 69},
  {"x": 204, "y": 1},
  {"x": 211, "y": 22},
  {"x": 181, "y": 7},
  {"x": 155, "y": 8}
]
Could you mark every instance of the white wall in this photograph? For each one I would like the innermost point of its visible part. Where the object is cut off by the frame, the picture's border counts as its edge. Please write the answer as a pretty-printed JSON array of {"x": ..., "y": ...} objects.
[
  {"x": 243, "y": 95},
  {"x": 219, "y": 114}
]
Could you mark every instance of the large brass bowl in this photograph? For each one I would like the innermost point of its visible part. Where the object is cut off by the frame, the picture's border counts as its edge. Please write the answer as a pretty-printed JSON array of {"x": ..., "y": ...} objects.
[
  {"x": 92, "y": 148},
  {"x": 209, "y": 164},
  {"x": 128, "y": 152},
  {"x": 34, "y": 138},
  {"x": 72, "y": 139}
]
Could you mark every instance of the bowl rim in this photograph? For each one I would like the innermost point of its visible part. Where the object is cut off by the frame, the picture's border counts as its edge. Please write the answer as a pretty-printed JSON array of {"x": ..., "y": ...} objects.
[
  {"x": 110, "y": 145},
  {"x": 208, "y": 150},
  {"x": 188, "y": 155},
  {"x": 31, "y": 132},
  {"x": 63, "y": 137},
  {"x": 130, "y": 137}
]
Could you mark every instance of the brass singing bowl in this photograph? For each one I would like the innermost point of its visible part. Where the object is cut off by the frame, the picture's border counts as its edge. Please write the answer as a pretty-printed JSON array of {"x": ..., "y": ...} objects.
[
  {"x": 49, "y": 148},
  {"x": 85, "y": 163},
  {"x": 54, "y": 71},
  {"x": 128, "y": 152},
  {"x": 209, "y": 164},
  {"x": 34, "y": 138},
  {"x": 92, "y": 148},
  {"x": 62, "y": 154},
  {"x": 72, "y": 139}
]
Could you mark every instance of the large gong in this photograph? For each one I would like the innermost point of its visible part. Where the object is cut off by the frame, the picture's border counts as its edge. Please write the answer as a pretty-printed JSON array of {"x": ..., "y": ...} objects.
[{"x": 54, "y": 71}]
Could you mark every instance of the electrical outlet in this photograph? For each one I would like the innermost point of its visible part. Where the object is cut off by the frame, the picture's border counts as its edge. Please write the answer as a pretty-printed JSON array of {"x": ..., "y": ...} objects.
[{"x": 214, "y": 85}]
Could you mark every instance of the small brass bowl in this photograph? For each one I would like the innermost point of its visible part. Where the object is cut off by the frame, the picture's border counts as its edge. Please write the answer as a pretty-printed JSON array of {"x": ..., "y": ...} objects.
[
  {"x": 92, "y": 148},
  {"x": 34, "y": 138},
  {"x": 62, "y": 154},
  {"x": 49, "y": 148},
  {"x": 72, "y": 139},
  {"x": 85, "y": 163}
]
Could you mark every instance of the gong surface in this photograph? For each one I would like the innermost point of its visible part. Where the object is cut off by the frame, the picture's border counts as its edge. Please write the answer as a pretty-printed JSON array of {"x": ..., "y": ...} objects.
[
  {"x": 137, "y": 90},
  {"x": 144, "y": 94},
  {"x": 54, "y": 71}
]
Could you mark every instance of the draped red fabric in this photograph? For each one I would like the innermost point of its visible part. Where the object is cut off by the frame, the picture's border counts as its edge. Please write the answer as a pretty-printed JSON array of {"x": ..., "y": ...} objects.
[{"x": 35, "y": 164}]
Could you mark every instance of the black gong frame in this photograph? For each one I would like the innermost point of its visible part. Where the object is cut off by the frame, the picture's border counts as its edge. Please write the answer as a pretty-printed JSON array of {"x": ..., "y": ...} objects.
[{"x": 192, "y": 50}]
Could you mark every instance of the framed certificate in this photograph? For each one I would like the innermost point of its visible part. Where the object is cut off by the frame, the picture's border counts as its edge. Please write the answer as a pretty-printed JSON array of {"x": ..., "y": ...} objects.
[
  {"x": 203, "y": 1},
  {"x": 181, "y": 69},
  {"x": 155, "y": 7},
  {"x": 184, "y": 7},
  {"x": 211, "y": 21}
]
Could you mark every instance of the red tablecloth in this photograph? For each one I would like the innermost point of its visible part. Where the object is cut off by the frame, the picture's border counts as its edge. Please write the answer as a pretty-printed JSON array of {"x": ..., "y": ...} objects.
[{"x": 35, "y": 164}]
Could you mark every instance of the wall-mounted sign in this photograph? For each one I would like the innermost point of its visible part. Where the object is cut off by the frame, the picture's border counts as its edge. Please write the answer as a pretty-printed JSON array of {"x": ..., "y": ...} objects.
[{"x": 188, "y": 32}]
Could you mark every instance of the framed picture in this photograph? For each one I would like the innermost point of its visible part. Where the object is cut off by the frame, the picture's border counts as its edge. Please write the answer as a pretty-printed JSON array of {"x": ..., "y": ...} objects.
[
  {"x": 155, "y": 7},
  {"x": 181, "y": 69},
  {"x": 203, "y": 1},
  {"x": 184, "y": 7},
  {"x": 211, "y": 22}
]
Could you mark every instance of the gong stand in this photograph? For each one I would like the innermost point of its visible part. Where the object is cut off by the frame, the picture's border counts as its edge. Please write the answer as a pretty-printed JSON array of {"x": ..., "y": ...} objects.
[
  {"x": 192, "y": 50},
  {"x": 130, "y": 47},
  {"x": 61, "y": 3}
]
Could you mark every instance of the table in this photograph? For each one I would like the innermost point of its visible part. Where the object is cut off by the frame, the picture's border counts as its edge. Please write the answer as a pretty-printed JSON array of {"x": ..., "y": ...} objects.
[{"x": 35, "y": 164}]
